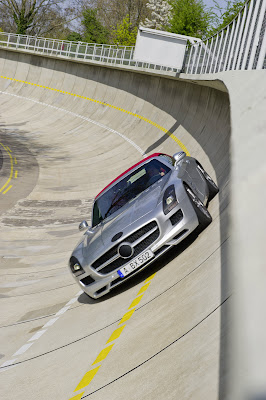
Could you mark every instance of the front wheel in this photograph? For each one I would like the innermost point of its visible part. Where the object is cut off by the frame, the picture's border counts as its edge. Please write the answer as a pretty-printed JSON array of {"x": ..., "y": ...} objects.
[
  {"x": 213, "y": 188},
  {"x": 203, "y": 214}
]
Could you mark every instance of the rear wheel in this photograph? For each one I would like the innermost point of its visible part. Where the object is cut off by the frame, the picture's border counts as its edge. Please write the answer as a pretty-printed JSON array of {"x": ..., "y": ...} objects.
[
  {"x": 203, "y": 214},
  {"x": 213, "y": 188}
]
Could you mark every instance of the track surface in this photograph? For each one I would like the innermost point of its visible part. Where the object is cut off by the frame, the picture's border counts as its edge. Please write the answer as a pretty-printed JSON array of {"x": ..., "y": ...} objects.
[{"x": 66, "y": 130}]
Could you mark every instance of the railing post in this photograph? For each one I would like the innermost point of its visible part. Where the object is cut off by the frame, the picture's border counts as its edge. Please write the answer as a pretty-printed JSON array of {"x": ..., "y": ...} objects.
[
  {"x": 210, "y": 50},
  {"x": 18, "y": 40},
  {"x": 194, "y": 57},
  {"x": 213, "y": 56},
  {"x": 197, "y": 66},
  {"x": 257, "y": 35},
  {"x": 249, "y": 7},
  {"x": 190, "y": 54},
  {"x": 239, "y": 37},
  {"x": 262, "y": 53},
  {"x": 229, "y": 45},
  {"x": 233, "y": 43},
  {"x": 94, "y": 50},
  {"x": 219, "y": 50},
  {"x": 204, "y": 57},
  {"x": 77, "y": 50},
  {"x": 251, "y": 28}
]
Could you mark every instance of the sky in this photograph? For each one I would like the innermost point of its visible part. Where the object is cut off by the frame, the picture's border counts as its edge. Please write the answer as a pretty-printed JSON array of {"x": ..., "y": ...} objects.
[{"x": 209, "y": 3}]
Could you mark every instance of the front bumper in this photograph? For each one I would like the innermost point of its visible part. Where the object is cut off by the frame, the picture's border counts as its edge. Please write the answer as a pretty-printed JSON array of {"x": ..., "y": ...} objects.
[{"x": 173, "y": 227}]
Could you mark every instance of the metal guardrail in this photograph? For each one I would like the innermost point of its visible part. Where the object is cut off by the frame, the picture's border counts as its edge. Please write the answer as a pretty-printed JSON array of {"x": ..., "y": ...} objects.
[
  {"x": 110, "y": 54},
  {"x": 241, "y": 45}
]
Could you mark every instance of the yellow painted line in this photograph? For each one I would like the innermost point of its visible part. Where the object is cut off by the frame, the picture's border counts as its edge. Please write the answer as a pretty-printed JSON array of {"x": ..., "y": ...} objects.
[
  {"x": 15, "y": 160},
  {"x": 87, "y": 378},
  {"x": 144, "y": 288},
  {"x": 7, "y": 189},
  {"x": 16, "y": 174},
  {"x": 170, "y": 134},
  {"x": 127, "y": 316},
  {"x": 135, "y": 302},
  {"x": 115, "y": 335},
  {"x": 150, "y": 277},
  {"x": 77, "y": 397},
  {"x": 103, "y": 354},
  {"x": 11, "y": 171},
  {"x": 8, "y": 149}
]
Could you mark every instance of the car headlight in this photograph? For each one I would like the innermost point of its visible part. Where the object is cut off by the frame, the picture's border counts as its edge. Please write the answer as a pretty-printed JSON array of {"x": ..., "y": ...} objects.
[
  {"x": 169, "y": 199},
  {"x": 75, "y": 266}
]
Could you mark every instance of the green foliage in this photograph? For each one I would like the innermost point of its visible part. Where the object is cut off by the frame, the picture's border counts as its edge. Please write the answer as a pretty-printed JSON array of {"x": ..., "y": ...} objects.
[
  {"x": 94, "y": 31},
  {"x": 232, "y": 9},
  {"x": 231, "y": 12},
  {"x": 74, "y": 37},
  {"x": 124, "y": 34},
  {"x": 189, "y": 18},
  {"x": 24, "y": 19}
]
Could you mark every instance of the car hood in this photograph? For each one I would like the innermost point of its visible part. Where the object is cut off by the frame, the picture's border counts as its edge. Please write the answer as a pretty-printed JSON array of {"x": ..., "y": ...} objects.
[{"x": 125, "y": 221}]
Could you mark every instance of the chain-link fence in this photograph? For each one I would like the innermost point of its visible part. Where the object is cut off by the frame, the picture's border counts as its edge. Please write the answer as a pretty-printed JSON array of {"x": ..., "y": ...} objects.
[{"x": 239, "y": 46}]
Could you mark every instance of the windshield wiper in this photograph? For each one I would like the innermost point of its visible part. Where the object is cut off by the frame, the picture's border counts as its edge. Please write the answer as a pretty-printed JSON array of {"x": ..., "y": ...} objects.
[{"x": 113, "y": 204}]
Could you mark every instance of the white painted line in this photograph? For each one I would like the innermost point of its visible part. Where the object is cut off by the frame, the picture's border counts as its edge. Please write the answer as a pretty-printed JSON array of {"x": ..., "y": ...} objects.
[
  {"x": 84, "y": 118},
  {"x": 6, "y": 368},
  {"x": 8, "y": 363},
  {"x": 50, "y": 323},
  {"x": 37, "y": 335},
  {"x": 62, "y": 311},
  {"x": 71, "y": 301},
  {"x": 22, "y": 350}
]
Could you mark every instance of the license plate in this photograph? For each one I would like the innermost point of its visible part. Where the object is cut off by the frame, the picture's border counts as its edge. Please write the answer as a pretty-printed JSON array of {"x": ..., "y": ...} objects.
[{"x": 135, "y": 263}]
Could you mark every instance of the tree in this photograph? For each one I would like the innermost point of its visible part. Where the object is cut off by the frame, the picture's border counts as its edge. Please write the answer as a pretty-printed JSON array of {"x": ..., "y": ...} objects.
[
  {"x": 222, "y": 18},
  {"x": 189, "y": 17},
  {"x": 124, "y": 34},
  {"x": 112, "y": 12},
  {"x": 160, "y": 14},
  {"x": 33, "y": 16},
  {"x": 94, "y": 31},
  {"x": 74, "y": 37}
]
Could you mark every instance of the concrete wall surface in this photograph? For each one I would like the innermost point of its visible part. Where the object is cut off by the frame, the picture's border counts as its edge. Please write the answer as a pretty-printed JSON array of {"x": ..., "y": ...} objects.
[{"x": 68, "y": 129}]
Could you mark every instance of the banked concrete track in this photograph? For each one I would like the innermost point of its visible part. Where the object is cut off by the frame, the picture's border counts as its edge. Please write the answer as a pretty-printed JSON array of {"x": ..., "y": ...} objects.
[{"x": 67, "y": 129}]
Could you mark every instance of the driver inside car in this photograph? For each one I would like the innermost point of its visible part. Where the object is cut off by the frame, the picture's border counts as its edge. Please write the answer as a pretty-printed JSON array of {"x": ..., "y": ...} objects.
[{"x": 154, "y": 174}]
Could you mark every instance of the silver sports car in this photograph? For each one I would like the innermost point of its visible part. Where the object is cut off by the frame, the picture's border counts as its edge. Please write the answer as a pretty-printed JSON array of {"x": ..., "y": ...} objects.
[{"x": 145, "y": 211}]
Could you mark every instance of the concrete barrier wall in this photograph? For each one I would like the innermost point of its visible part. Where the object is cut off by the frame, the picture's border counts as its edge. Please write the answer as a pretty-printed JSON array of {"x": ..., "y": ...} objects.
[{"x": 71, "y": 128}]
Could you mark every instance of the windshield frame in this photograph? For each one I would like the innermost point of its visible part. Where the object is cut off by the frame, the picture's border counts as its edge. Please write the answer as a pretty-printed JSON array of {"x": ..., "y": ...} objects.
[{"x": 160, "y": 161}]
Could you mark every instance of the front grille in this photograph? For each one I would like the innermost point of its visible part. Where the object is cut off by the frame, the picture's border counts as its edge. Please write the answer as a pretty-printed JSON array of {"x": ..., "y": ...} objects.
[{"x": 138, "y": 248}]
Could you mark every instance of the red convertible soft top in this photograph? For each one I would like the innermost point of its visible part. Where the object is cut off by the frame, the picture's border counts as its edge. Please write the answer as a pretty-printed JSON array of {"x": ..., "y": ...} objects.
[{"x": 129, "y": 169}]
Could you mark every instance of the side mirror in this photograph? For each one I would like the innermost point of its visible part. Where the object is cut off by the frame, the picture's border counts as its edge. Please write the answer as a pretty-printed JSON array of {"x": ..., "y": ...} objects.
[
  {"x": 179, "y": 156},
  {"x": 83, "y": 225}
]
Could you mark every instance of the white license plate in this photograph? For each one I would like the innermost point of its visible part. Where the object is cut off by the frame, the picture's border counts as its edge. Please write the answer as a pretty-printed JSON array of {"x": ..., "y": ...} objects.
[{"x": 135, "y": 263}]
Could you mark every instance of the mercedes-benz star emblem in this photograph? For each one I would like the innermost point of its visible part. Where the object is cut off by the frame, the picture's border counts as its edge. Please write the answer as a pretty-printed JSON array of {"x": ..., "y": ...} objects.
[{"x": 125, "y": 250}]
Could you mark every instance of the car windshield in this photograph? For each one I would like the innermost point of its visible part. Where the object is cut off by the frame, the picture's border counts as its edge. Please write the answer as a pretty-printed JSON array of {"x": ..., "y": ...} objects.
[{"x": 127, "y": 189}]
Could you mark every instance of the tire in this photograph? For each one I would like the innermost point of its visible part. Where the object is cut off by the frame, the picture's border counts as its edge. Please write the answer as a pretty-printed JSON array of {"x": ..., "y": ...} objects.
[
  {"x": 204, "y": 217},
  {"x": 213, "y": 188}
]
